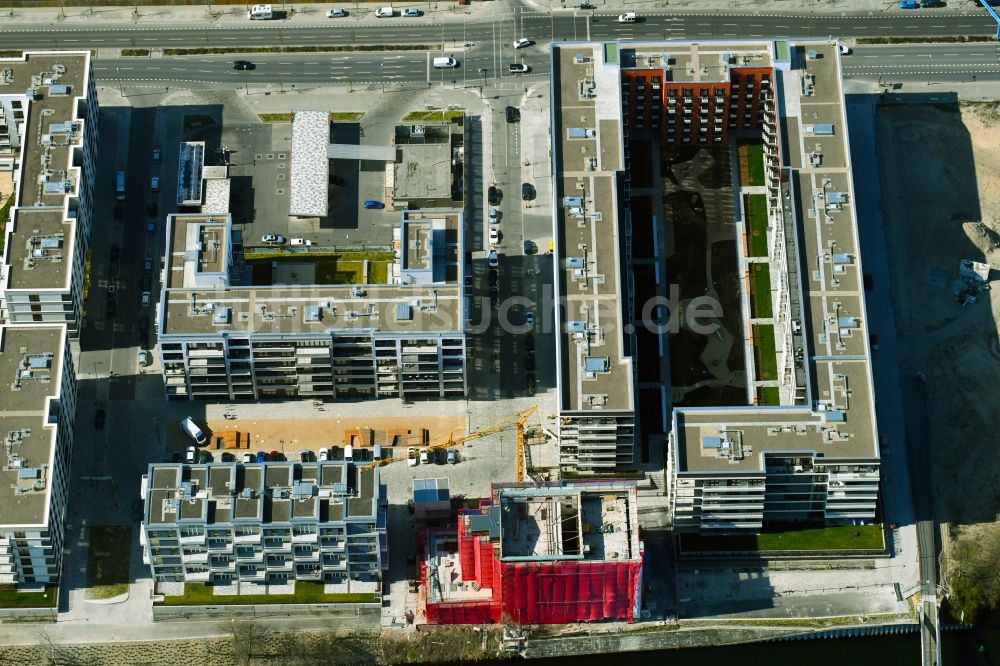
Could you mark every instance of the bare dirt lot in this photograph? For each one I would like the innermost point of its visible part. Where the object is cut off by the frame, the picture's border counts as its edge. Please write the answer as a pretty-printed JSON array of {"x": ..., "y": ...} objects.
[{"x": 941, "y": 195}]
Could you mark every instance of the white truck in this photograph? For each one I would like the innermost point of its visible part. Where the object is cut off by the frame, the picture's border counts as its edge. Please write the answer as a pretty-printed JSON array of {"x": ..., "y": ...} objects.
[{"x": 260, "y": 12}]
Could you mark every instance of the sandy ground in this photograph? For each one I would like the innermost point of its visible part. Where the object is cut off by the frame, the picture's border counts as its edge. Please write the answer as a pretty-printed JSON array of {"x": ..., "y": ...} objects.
[
  {"x": 942, "y": 205},
  {"x": 292, "y": 435}
]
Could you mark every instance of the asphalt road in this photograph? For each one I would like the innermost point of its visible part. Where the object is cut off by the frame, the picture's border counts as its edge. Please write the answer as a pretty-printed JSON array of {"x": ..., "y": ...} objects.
[
  {"x": 941, "y": 62},
  {"x": 455, "y": 31}
]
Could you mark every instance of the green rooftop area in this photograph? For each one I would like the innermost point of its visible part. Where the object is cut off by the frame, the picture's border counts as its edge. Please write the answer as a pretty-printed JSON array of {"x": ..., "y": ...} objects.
[
  {"x": 810, "y": 539},
  {"x": 765, "y": 357},
  {"x": 760, "y": 291},
  {"x": 306, "y": 592},
  {"x": 756, "y": 212},
  {"x": 11, "y": 598},
  {"x": 755, "y": 164},
  {"x": 768, "y": 396}
]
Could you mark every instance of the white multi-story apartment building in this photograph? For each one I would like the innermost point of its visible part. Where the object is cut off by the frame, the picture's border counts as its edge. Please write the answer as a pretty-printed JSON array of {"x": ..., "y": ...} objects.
[
  {"x": 270, "y": 522},
  {"x": 219, "y": 340},
  {"x": 37, "y": 411},
  {"x": 789, "y": 434},
  {"x": 48, "y": 140}
]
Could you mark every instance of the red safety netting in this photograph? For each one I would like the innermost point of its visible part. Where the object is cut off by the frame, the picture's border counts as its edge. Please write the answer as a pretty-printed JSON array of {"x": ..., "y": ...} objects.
[{"x": 561, "y": 592}]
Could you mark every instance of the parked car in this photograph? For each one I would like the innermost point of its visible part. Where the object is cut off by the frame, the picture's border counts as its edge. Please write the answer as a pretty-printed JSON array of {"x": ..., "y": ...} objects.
[
  {"x": 411, "y": 456},
  {"x": 192, "y": 430},
  {"x": 513, "y": 114},
  {"x": 440, "y": 456},
  {"x": 452, "y": 457},
  {"x": 99, "y": 416},
  {"x": 371, "y": 203},
  {"x": 494, "y": 259},
  {"x": 529, "y": 318},
  {"x": 324, "y": 454},
  {"x": 846, "y": 50},
  {"x": 249, "y": 457},
  {"x": 518, "y": 68},
  {"x": 151, "y": 227},
  {"x": 143, "y": 359},
  {"x": 383, "y": 12},
  {"x": 494, "y": 236},
  {"x": 145, "y": 299},
  {"x": 527, "y": 191},
  {"x": 204, "y": 457},
  {"x": 304, "y": 455},
  {"x": 494, "y": 195},
  {"x": 273, "y": 239},
  {"x": 190, "y": 455},
  {"x": 157, "y": 155},
  {"x": 522, "y": 43},
  {"x": 300, "y": 241},
  {"x": 244, "y": 65},
  {"x": 147, "y": 264},
  {"x": 529, "y": 247},
  {"x": 261, "y": 457},
  {"x": 154, "y": 183},
  {"x": 336, "y": 12},
  {"x": 425, "y": 456},
  {"x": 228, "y": 457},
  {"x": 411, "y": 12}
]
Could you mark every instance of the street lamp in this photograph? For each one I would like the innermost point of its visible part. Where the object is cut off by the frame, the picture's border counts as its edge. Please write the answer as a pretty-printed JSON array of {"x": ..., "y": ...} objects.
[
  {"x": 381, "y": 74},
  {"x": 483, "y": 70}
]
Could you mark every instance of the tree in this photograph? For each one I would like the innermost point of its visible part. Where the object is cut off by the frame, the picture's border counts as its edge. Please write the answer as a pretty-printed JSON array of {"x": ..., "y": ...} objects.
[{"x": 973, "y": 574}]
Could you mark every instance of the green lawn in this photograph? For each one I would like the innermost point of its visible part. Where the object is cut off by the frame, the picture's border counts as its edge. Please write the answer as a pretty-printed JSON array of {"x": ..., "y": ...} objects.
[
  {"x": 767, "y": 360},
  {"x": 434, "y": 115},
  {"x": 760, "y": 303},
  {"x": 768, "y": 396},
  {"x": 305, "y": 593},
  {"x": 844, "y": 537},
  {"x": 108, "y": 561},
  {"x": 756, "y": 212},
  {"x": 378, "y": 272},
  {"x": 11, "y": 598},
  {"x": 755, "y": 164},
  {"x": 8, "y": 203}
]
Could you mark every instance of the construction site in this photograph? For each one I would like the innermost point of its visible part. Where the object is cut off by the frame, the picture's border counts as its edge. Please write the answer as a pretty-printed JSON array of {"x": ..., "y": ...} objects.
[{"x": 942, "y": 222}]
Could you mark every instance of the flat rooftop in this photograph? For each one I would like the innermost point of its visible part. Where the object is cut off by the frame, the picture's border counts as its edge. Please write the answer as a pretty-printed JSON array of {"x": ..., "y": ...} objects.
[
  {"x": 31, "y": 361},
  {"x": 840, "y": 422},
  {"x": 595, "y": 372},
  {"x": 198, "y": 300},
  {"x": 266, "y": 493},
  {"x": 198, "y": 251},
  {"x": 38, "y": 251},
  {"x": 310, "y": 166},
  {"x": 423, "y": 166},
  {"x": 569, "y": 523}
]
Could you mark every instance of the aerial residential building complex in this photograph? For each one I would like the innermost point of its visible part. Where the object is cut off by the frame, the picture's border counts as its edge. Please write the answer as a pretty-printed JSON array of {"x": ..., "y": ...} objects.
[
  {"x": 402, "y": 336},
  {"x": 48, "y": 140},
  {"x": 539, "y": 554},
  {"x": 713, "y": 169},
  {"x": 37, "y": 413},
  {"x": 265, "y": 523}
]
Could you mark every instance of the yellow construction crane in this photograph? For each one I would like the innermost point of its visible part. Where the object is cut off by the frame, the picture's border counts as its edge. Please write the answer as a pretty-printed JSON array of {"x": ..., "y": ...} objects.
[{"x": 517, "y": 419}]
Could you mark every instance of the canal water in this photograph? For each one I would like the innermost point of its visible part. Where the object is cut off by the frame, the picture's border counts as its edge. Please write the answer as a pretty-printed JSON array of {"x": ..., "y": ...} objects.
[{"x": 979, "y": 646}]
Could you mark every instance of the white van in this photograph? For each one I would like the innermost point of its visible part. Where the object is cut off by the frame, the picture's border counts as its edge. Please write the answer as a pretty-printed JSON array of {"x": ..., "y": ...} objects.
[
  {"x": 377, "y": 452},
  {"x": 349, "y": 453},
  {"x": 192, "y": 430},
  {"x": 260, "y": 12},
  {"x": 628, "y": 17},
  {"x": 445, "y": 63},
  {"x": 383, "y": 12}
]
